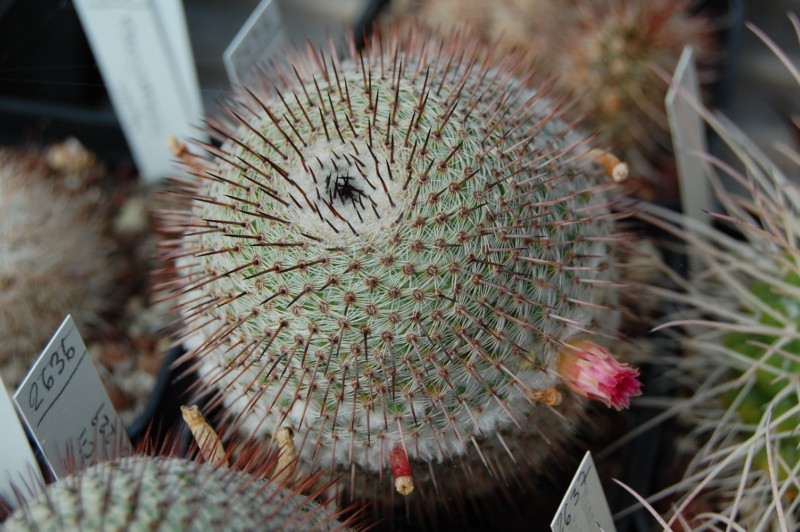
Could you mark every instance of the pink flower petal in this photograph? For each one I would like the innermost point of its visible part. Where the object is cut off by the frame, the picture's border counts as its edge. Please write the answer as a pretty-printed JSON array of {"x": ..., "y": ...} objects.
[{"x": 590, "y": 370}]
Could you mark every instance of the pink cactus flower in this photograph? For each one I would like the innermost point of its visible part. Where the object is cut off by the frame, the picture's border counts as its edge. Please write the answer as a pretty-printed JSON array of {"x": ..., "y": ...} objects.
[{"x": 590, "y": 370}]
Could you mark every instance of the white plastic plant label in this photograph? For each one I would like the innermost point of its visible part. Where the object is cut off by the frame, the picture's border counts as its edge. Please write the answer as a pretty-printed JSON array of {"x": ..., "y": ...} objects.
[
  {"x": 142, "y": 48},
  {"x": 19, "y": 473},
  {"x": 172, "y": 19},
  {"x": 66, "y": 407},
  {"x": 584, "y": 507},
  {"x": 261, "y": 36},
  {"x": 688, "y": 136}
]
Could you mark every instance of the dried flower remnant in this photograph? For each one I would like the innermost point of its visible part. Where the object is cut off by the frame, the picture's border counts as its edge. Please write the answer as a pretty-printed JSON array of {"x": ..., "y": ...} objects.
[
  {"x": 287, "y": 459},
  {"x": 615, "y": 169},
  {"x": 401, "y": 470},
  {"x": 590, "y": 370},
  {"x": 549, "y": 396},
  {"x": 206, "y": 437},
  {"x": 70, "y": 157}
]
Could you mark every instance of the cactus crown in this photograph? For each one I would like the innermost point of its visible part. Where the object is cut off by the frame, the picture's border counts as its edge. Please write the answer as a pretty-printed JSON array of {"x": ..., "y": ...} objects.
[{"x": 389, "y": 250}]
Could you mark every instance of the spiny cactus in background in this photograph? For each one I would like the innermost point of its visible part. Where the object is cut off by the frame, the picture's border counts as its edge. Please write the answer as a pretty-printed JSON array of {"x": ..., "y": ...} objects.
[
  {"x": 168, "y": 493},
  {"x": 390, "y": 253},
  {"x": 608, "y": 58},
  {"x": 525, "y": 25},
  {"x": 602, "y": 51},
  {"x": 741, "y": 315},
  {"x": 54, "y": 258}
]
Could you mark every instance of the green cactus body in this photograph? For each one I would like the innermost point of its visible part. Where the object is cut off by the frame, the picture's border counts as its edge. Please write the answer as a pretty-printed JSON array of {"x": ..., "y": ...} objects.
[
  {"x": 767, "y": 383},
  {"x": 159, "y": 493},
  {"x": 390, "y": 250}
]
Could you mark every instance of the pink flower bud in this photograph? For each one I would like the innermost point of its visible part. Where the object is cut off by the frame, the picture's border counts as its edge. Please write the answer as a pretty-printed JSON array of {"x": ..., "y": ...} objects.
[{"x": 592, "y": 371}]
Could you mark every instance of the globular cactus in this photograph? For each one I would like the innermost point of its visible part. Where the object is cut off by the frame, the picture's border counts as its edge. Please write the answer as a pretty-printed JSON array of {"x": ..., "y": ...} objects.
[
  {"x": 167, "y": 493},
  {"x": 391, "y": 253},
  {"x": 740, "y": 322},
  {"x": 54, "y": 259}
]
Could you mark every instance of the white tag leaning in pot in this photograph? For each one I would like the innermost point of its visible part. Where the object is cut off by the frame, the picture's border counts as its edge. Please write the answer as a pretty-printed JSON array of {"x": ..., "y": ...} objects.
[
  {"x": 142, "y": 49},
  {"x": 584, "y": 507},
  {"x": 19, "y": 473},
  {"x": 66, "y": 407},
  {"x": 261, "y": 36},
  {"x": 688, "y": 140}
]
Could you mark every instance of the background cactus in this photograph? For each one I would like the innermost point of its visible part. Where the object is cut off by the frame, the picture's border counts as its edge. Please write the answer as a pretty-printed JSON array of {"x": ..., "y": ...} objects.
[
  {"x": 602, "y": 52},
  {"x": 739, "y": 319},
  {"x": 389, "y": 254},
  {"x": 524, "y": 25},
  {"x": 608, "y": 55},
  {"x": 54, "y": 256},
  {"x": 168, "y": 493}
]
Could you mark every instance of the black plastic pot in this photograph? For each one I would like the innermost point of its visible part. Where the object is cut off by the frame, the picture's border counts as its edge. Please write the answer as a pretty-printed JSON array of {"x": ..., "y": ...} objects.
[{"x": 162, "y": 411}]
